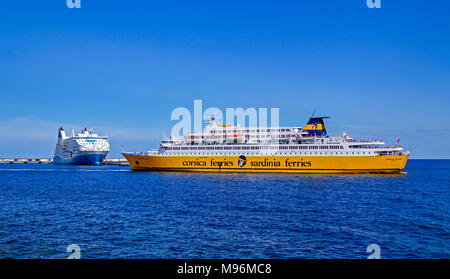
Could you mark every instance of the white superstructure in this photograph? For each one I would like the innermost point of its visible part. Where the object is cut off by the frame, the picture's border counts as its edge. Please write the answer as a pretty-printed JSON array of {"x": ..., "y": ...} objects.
[{"x": 311, "y": 140}]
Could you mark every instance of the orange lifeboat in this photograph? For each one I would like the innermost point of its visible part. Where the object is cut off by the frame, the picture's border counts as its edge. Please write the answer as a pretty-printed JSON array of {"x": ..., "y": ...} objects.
[{"x": 235, "y": 138}]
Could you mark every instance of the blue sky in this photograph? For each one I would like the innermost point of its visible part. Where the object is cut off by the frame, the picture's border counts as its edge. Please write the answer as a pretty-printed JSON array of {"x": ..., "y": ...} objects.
[{"x": 121, "y": 67}]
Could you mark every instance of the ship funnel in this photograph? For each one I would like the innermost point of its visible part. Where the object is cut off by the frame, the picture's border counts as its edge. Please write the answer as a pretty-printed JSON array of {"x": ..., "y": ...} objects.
[
  {"x": 316, "y": 127},
  {"x": 62, "y": 133},
  {"x": 84, "y": 131}
]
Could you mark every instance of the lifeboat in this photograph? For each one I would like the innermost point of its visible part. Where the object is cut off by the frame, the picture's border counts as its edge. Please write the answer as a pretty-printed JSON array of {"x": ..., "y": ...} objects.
[
  {"x": 238, "y": 138},
  {"x": 194, "y": 138},
  {"x": 212, "y": 139}
]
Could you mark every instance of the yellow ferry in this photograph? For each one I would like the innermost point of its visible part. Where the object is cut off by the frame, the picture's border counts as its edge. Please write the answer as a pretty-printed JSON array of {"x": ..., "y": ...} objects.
[{"x": 227, "y": 148}]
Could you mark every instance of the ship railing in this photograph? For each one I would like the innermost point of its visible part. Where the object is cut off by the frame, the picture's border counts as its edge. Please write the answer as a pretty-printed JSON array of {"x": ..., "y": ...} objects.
[
  {"x": 392, "y": 152},
  {"x": 365, "y": 141},
  {"x": 150, "y": 152},
  {"x": 88, "y": 137},
  {"x": 375, "y": 147}
]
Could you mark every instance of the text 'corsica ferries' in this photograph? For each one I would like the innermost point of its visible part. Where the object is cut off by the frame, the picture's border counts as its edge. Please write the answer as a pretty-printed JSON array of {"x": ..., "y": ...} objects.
[
  {"x": 85, "y": 148},
  {"x": 226, "y": 148}
]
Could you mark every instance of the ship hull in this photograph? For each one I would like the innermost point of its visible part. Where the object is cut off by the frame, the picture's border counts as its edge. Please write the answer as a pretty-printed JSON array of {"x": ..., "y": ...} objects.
[
  {"x": 85, "y": 158},
  {"x": 269, "y": 164}
]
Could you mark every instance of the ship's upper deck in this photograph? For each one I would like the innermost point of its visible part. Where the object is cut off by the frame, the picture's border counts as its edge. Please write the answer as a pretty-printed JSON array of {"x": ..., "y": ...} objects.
[
  {"x": 230, "y": 140},
  {"x": 84, "y": 141},
  {"x": 313, "y": 132}
]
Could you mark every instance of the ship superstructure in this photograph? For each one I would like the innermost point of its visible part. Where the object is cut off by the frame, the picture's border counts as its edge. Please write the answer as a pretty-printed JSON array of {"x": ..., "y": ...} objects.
[
  {"x": 307, "y": 149},
  {"x": 85, "y": 148}
]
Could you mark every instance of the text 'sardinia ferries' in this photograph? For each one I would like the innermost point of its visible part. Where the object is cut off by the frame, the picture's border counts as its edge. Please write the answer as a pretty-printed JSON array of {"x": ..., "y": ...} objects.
[
  {"x": 85, "y": 148},
  {"x": 227, "y": 148}
]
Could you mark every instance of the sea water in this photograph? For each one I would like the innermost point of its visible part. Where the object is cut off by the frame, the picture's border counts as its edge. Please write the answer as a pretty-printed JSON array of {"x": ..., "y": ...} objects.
[{"x": 112, "y": 212}]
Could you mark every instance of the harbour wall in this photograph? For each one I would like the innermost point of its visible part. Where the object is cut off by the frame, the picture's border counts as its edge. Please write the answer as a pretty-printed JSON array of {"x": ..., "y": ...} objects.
[{"x": 108, "y": 161}]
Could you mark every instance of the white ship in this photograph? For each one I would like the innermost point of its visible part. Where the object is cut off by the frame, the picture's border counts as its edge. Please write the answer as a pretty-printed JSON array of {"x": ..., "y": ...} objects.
[{"x": 85, "y": 148}]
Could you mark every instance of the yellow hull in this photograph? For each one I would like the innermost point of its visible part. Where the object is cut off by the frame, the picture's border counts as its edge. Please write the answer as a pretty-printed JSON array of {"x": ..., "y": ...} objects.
[{"x": 280, "y": 164}]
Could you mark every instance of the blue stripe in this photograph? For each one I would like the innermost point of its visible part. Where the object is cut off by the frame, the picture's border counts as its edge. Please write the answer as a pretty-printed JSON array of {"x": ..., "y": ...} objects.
[
  {"x": 316, "y": 132},
  {"x": 315, "y": 121},
  {"x": 89, "y": 159}
]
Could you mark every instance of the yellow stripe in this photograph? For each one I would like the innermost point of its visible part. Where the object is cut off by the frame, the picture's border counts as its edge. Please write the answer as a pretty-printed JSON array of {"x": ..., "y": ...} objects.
[
  {"x": 311, "y": 127},
  {"x": 281, "y": 164}
]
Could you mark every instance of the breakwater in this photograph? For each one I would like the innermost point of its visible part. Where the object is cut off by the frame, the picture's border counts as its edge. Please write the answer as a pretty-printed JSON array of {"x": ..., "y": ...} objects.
[{"x": 109, "y": 161}]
